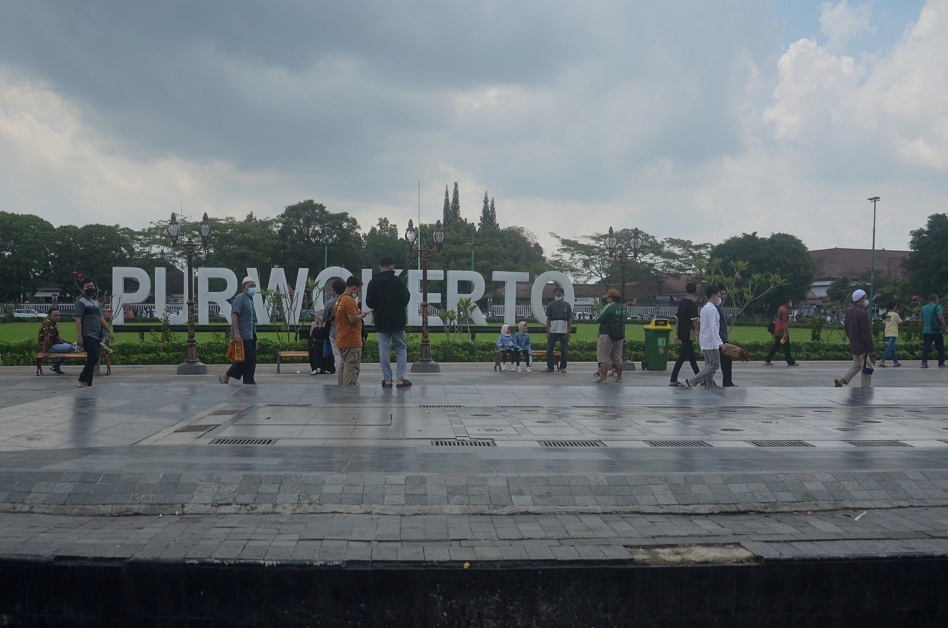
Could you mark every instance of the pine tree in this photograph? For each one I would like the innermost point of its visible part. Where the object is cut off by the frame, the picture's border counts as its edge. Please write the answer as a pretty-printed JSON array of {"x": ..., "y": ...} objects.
[
  {"x": 456, "y": 204},
  {"x": 488, "y": 221},
  {"x": 446, "y": 215}
]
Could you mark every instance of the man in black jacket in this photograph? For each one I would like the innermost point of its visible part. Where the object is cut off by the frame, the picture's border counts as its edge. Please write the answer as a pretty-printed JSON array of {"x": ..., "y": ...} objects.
[{"x": 387, "y": 296}]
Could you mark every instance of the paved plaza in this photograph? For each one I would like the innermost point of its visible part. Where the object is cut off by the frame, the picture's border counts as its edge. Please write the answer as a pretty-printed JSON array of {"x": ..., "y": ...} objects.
[{"x": 472, "y": 465}]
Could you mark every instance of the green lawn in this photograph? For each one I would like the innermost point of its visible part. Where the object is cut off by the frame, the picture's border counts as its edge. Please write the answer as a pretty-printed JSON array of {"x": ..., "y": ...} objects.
[{"x": 584, "y": 331}]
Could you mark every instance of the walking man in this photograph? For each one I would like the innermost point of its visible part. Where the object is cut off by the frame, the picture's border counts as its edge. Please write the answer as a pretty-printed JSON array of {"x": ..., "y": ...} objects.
[
  {"x": 782, "y": 334},
  {"x": 709, "y": 339},
  {"x": 686, "y": 331},
  {"x": 89, "y": 325},
  {"x": 387, "y": 296},
  {"x": 51, "y": 342},
  {"x": 611, "y": 343},
  {"x": 243, "y": 327},
  {"x": 559, "y": 322},
  {"x": 727, "y": 364},
  {"x": 860, "y": 342},
  {"x": 933, "y": 328},
  {"x": 349, "y": 333}
]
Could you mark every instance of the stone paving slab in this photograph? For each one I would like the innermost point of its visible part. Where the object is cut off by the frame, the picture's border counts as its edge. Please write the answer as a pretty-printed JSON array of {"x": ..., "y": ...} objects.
[{"x": 353, "y": 475}]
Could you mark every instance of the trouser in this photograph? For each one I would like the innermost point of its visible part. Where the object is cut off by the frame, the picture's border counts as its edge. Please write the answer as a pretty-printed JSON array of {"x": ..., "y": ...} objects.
[
  {"x": 386, "y": 339},
  {"x": 60, "y": 347},
  {"x": 564, "y": 350},
  {"x": 727, "y": 367},
  {"x": 939, "y": 341},
  {"x": 686, "y": 352},
  {"x": 505, "y": 354},
  {"x": 315, "y": 354},
  {"x": 350, "y": 366},
  {"x": 91, "y": 345},
  {"x": 245, "y": 370},
  {"x": 712, "y": 361},
  {"x": 777, "y": 346},
  {"x": 859, "y": 360},
  {"x": 890, "y": 350},
  {"x": 526, "y": 356}
]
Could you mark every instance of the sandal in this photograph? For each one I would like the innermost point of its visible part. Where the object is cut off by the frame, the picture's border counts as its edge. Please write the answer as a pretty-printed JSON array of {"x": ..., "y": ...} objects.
[
  {"x": 386, "y": 384},
  {"x": 404, "y": 384}
]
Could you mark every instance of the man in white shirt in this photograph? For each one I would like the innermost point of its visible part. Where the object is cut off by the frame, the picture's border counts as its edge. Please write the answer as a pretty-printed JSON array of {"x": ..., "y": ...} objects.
[{"x": 709, "y": 339}]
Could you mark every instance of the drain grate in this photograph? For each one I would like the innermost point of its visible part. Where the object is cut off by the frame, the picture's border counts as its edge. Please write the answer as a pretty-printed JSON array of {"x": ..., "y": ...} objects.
[
  {"x": 482, "y": 442},
  {"x": 519, "y": 406},
  {"x": 779, "y": 443},
  {"x": 222, "y": 412},
  {"x": 440, "y": 406},
  {"x": 877, "y": 443},
  {"x": 731, "y": 429},
  {"x": 196, "y": 428},
  {"x": 676, "y": 443},
  {"x": 655, "y": 421},
  {"x": 243, "y": 441},
  {"x": 571, "y": 443},
  {"x": 288, "y": 405}
]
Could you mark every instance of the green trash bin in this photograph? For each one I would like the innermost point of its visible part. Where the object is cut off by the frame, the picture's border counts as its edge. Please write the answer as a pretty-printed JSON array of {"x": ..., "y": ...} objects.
[{"x": 657, "y": 333}]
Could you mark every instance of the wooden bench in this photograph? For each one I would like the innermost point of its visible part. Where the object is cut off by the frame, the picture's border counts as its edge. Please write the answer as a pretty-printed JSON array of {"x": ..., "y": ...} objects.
[
  {"x": 290, "y": 354},
  {"x": 541, "y": 353},
  {"x": 72, "y": 355}
]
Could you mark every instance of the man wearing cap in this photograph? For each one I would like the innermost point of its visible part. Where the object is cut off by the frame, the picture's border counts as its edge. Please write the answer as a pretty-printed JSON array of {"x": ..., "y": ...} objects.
[
  {"x": 608, "y": 349},
  {"x": 244, "y": 330},
  {"x": 860, "y": 342}
]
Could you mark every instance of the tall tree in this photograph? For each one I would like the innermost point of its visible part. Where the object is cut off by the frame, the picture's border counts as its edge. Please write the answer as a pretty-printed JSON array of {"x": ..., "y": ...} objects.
[
  {"x": 24, "y": 254},
  {"x": 310, "y": 234},
  {"x": 383, "y": 239},
  {"x": 447, "y": 217},
  {"x": 928, "y": 262},
  {"x": 488, "y": 221},
  {"x": 456, "y": 204}
]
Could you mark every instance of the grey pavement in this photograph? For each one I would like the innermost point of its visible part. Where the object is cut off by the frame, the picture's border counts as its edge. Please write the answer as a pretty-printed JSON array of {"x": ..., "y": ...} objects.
[{"x": 472, "y": 465}]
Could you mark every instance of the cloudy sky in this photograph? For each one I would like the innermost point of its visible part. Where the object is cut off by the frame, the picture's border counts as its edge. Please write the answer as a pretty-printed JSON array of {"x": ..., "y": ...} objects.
[{"x": 698, "y": 119}]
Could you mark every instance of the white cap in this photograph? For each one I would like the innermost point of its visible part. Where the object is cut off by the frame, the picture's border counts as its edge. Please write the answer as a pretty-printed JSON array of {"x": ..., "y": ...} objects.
[
  {"x": 248, "y": 278},
  {"x": 858, "y": 295}
]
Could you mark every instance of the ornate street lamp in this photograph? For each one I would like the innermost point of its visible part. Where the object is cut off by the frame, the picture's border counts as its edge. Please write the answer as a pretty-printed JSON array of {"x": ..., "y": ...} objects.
[
  {"x": 620, "y": 252},
  {"x": 872, "y": 271},
  {"x": 191, "y": 365},
  {"x": 424, "y": 364}
]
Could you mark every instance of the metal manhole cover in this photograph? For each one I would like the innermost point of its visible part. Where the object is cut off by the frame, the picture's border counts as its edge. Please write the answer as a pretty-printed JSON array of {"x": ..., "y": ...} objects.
[
  {"x": 571, "y": 443},
  {"x": 877, "y": 443},
  {"x": 482, "y": 442},
  {"x": 779, "y": 443},
  {"x": 197, "y": 428},
  {"x": 243, "y": 441},
  {"x": 676, "y": 443}
]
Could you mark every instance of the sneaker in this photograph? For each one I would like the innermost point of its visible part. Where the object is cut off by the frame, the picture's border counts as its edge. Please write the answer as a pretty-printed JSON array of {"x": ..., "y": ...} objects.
[
  {"x": 316, "y": 372},
  {"x": 562, "y": 370},
  {"x": 57, "y": 370},
  {"x": 880, "y": 364},
  {"x": 897, "y": 364},
  {"x": 548, "y": 371},
  {"x": 675, "y": 383},
  {"x": 941, "y": 366},
  {"x": 517, "y": 369},
  {"x": 794, "y": 364},
  {"x": 768, "y": 363},
  {"x": 924, "y": 365},
  {"x": 503, "y": 367},
  {"x": 837, "y": 383},
  {"x": 529, "y": 370},
  {"x": 598, "y": 380}
]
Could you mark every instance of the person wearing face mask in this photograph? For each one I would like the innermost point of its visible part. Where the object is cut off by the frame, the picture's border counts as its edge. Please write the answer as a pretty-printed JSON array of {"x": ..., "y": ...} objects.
[
  {"x": 861, "y": 346},
  {"x": 89, "y": 325},
  {"x": 782, "y": 334},
  {"x": 709, "y": 339},
  {"x": 559, "y": 321},
  {"x": 242, "y": 322}
]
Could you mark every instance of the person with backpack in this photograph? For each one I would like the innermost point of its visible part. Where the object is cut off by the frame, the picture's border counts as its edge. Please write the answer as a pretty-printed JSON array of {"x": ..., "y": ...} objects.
[
  {"x": 933, "y": 329},
  {"x": 612, "y": 319}
]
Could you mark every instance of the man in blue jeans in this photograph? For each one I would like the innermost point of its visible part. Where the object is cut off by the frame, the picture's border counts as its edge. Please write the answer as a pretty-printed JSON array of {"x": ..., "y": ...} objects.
[
  {"x": 933, "y": 329},
  {"x": 559, "y": 321},
  {"x": 387, "y": 296}
]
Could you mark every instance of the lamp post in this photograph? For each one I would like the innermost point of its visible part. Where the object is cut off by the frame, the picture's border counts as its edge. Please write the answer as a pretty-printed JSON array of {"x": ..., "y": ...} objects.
[
  {"x": 872, "y": 271},
  {"x": 191, "y": 365},
  {"x": 618, "y": 251},
  {"x": 413, "y": 238}
]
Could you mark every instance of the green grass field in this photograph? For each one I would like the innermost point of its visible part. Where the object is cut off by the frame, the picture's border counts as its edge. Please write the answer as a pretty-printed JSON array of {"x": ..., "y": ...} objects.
[{"x": 740, "y": 334}]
